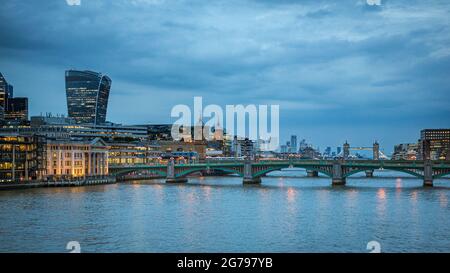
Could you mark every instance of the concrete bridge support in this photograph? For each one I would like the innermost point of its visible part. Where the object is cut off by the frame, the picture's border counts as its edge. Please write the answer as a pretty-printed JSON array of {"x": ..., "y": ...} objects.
[
  {"x": 171, "y": 177},
  {"x": 338, "y": 178},
  {"x": 369, "y": 173},
  {"x": 312, "y": 173},
  {"x": 248, "y": 175},
  {"x": 428, "y": 174}
]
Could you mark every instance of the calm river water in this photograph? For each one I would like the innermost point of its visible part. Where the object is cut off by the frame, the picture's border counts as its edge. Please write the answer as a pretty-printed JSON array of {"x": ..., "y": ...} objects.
[{"x": 287, "y": 213}]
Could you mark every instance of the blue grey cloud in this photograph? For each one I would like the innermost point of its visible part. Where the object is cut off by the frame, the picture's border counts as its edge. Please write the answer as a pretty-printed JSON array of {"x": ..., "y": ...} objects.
[{"x": 339, "y": 69}]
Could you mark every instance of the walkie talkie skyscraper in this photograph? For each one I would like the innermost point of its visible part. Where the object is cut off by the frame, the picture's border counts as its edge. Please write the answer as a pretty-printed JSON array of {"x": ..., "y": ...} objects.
[{"x": 87, "y": 96}]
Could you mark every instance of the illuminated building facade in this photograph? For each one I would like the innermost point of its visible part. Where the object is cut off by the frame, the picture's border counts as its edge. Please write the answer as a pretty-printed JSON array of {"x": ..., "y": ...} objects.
[
  {"x": 133, "y": 153},
  {"x": 75, "y": 159},
  {"x": 435, "y": 144},
  {"x": 17, "y": 109},
  {"x": 21, "y": 157},
  {"x": 406, "y": 151},
  {"x": 87, "y": 96},
  {"x": 6, "y": 91}
]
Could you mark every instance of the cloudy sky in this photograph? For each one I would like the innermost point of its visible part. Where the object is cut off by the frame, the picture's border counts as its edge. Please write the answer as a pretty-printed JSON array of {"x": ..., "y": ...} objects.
[{"x": 340, "y": 70}]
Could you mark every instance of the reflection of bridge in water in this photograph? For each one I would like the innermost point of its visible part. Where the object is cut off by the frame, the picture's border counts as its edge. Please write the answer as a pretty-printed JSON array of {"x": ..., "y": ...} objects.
[{"x": 252, "y": 172}]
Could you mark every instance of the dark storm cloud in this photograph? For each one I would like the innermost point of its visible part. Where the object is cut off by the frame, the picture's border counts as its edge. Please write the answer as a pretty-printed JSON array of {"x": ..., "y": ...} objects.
[{"x": 329, "y": 64}]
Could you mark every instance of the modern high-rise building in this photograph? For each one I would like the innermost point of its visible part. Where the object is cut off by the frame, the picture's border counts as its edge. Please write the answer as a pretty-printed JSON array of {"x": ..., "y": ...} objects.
[
  {"x": 17, "y": 109},
  {"x": 87, "y": 96},
  {"x": 294, "y": 147},
  {"x": 6, "y": 91},
  {"x": 434, "y": 144},
  {"x": 2, "y": 115}
]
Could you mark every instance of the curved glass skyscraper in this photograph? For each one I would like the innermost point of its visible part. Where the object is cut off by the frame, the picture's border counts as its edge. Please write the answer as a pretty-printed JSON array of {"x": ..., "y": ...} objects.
[{"x": 87, "y": 96}]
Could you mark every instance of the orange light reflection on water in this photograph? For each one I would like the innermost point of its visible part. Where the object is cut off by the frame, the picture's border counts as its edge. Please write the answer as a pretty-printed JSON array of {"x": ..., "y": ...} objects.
[
  {"x": 443, "y": 200},
  {"x": 381, "y": 194}
]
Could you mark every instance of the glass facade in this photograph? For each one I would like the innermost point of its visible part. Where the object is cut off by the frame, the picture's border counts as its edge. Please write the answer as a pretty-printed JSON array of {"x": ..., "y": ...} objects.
[
  {"x": 5, "y": 90},
  {"x": 87, "y": 96},
  {"x": 21, "y": 158},
  {"x": 435, "y": 144},
  {"x": 17, "y": 109}
]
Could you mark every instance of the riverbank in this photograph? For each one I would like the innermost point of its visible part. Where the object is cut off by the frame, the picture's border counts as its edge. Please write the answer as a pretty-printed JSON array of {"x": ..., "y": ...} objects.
[{"x": 44, "y": 184}]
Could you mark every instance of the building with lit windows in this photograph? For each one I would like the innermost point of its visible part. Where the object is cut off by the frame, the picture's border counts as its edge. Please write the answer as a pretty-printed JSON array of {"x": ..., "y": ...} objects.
[
  {"x": 6, "y": 91},
  {"x": 406, "y": 151},
  {"x": 435, "y": 144},
  {"x": 22, "y": 158},
  {"x": 87, "y": 96},
  {"x": 129, "y": 153},
  {"x": 17, "y": 110},
  {"x": 66, "y": 158}
]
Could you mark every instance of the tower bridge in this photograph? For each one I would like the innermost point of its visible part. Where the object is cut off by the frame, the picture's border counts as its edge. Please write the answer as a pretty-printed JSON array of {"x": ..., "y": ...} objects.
[
  {"x": 377, "y": 153},
  {"x": 252, "y": 172}
]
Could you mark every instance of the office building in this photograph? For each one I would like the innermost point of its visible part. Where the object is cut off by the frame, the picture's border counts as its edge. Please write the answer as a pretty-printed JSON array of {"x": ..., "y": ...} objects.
[
  {"x": 22, "y": 158},
  {"x": 17, "y": 109},
  {"x": 126, "y": 153},
  {"x": 406, "y": 151},
  {"x": 87, "y": 96},
  {"x": 294, "y": 146},
  {"x": 435, "y": 144},
  {"x": 6, "y": 91}
]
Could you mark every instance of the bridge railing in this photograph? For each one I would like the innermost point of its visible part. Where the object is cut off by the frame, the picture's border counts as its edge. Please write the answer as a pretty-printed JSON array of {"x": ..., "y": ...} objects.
[{"x": 400, "y": 163}]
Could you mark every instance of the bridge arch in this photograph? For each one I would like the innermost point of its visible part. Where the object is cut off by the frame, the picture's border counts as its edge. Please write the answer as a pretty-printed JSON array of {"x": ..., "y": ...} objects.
[
  {"x": 441, "y": 175},
  {"x": 190, "y": 171},
  {"x": 386, "y": 168},
  {"x": 279, "y": 168}
]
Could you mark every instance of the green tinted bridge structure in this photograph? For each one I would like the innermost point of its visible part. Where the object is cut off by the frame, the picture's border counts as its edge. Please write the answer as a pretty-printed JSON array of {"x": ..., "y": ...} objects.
[{"x": 252, "y": 172}]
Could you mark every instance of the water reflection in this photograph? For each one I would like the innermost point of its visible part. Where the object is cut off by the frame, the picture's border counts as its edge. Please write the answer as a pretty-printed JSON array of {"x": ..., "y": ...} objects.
[
  {"x": 443, "y": 200},
  {"x": 381, "y": 194},
  {"x": 381, "y": 203},
  {"x": 220, "y": 215}
]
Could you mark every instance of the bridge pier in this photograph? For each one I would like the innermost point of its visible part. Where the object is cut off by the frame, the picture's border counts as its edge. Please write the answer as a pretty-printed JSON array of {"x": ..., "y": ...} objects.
[
  {"x": 248, "y": 175},
  {"x": 311, "y": 173},
  {"x": 369, "y": 173},
  {"x": 252, "y": 181},
  {"x": 338, "y": 178},
  {"x": 171, "y": 177},
  {"x": 428, "y": 174},
  {"x": 176, "y": 180}
]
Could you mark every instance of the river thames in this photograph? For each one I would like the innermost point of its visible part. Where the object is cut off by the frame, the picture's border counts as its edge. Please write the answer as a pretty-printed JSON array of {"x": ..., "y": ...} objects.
[{"x": 287, "y": 213}]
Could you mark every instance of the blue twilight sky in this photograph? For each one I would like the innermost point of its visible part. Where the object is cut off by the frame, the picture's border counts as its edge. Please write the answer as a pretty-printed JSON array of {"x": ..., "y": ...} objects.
[{"x": 340, "y": 70}]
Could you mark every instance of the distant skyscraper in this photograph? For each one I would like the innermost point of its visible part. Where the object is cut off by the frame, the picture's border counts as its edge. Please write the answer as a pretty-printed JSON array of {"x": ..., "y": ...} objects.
[
  {"x": 87, "y": 96},
  {"x": 339, "y": 150},
  {"x": 294, "y": 147},
  {"x": 5, "y": 92},
  {"x": 2, "y": 114},
  {"x": 17, "y": 109}
]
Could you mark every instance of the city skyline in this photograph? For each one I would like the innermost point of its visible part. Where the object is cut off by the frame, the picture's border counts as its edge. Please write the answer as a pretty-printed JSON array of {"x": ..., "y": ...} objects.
[
  {"x": 225, "y": 135},
  {"x": 337, "y": 82}
]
